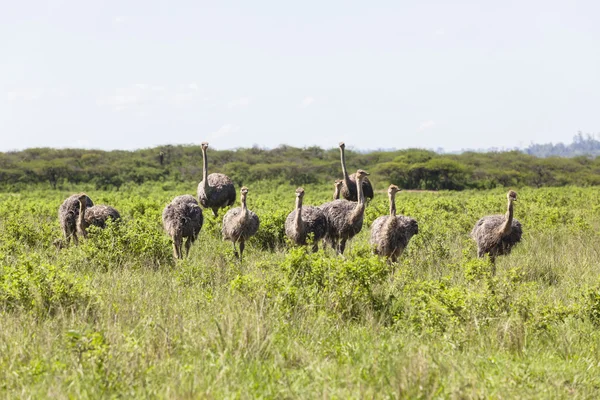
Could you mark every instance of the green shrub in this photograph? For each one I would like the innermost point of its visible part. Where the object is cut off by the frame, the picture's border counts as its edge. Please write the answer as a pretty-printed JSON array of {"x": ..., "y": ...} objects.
[{"x": 35, "y": 285}]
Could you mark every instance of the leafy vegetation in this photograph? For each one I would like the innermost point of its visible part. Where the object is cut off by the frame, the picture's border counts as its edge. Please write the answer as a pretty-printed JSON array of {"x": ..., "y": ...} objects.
[
  {"x": 118, "y": 317},
  {"x": 410, "y": 169}
]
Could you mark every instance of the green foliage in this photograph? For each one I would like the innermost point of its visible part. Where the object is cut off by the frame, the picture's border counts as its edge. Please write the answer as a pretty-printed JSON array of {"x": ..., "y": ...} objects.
[
  {"x": 410, "y": 169},
  {"x": 116, "y": 316},
  {"x": 347, "y": 287},
  {"x": 136, "y": 243},
  {"x": 31, "y": 284}
]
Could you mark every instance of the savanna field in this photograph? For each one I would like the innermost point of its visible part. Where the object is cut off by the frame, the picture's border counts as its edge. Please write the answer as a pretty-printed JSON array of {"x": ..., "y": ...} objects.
[{"x": 116, "y": 316}]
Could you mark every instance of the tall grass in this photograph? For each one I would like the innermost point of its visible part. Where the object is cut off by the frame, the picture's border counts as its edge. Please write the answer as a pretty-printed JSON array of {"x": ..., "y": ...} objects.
[{"x": 117, "y": 317}]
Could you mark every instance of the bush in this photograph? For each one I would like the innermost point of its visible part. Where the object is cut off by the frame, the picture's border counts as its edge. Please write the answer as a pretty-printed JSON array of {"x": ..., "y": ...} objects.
[{"x": 40, "y": 287}]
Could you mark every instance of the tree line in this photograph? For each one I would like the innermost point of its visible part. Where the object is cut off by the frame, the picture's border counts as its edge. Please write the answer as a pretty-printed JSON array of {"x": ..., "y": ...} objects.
[
  {"x": 410, "y": 169},
  {"x": 583, "y": 144}
]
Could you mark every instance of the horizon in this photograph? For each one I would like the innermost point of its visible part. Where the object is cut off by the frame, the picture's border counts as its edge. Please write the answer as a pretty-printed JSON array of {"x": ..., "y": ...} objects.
[
  {"x": 594, "y": 137},
  {"x": 431, "y": 75}
]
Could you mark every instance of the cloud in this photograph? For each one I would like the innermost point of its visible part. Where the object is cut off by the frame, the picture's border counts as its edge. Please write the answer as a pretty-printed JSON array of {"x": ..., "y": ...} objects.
[
  {"x": 119, "y": 19},
  {"x": 142, "y": 95},
  {"x": 225, "y": 130},
  {"x": 241, "y": 102},
  {"x": 25, "y": 94},
  {"x": 124, "y": 98},
  {"x": 439, "y": 32},
  {"x": 307, "y": 101},
  {"x": 426, "y": 125},
  {"x": 81, "y": 144}
]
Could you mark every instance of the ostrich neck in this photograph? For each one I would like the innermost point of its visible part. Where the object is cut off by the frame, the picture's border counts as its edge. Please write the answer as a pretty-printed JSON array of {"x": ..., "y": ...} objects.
[
  {"x": 244, "y": 212},
  {"x": 392, "y": 204},
  {"x": 298, "y": 216},
  {"x": 360, "y": 206},
  {"x": 507, "y": 226},
  {"x": 204, "y": 169},
  {"x": 81, "y": 218},
  {"x": 343, "y": 157},
  {"x": 359, "y": 191},
  {"x": 391, "y": 222},
  {"x": 336, "y": 193}
]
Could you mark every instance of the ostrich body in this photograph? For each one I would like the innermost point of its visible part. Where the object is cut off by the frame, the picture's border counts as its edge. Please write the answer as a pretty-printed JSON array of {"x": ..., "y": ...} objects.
[
  {"x": 215, "y": 190},
  {"x": 349, "y": 191},
  {"x": 96, "y": 215},
  {"x": 345, "y": 218},
  {"x": 497, "y": 234},
  {"x": 391, "y": 233},
  {"x": 68, "y": 213},
  {"x": 304, "y": 221},
  {"x": 239, "y": 224},
  {"x": 182, "y": 219},
  {"x": 337, "y": 187}
]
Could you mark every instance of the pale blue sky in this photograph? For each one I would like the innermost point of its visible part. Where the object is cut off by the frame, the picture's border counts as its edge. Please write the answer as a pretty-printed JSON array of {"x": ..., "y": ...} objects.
[{"x": 134, "y": 74}]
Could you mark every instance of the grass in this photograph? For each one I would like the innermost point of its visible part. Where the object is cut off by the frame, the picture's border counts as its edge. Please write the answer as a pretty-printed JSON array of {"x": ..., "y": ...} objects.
[{"x": 116, "y": 317}]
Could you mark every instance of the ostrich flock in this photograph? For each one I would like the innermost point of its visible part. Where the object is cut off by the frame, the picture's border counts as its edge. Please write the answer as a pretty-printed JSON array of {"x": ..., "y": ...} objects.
[{"x": 334, "y": 222}]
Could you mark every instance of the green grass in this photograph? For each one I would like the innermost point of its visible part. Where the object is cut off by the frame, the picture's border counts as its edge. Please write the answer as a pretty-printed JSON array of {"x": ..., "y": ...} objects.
[{"x": 117, "y": 317}]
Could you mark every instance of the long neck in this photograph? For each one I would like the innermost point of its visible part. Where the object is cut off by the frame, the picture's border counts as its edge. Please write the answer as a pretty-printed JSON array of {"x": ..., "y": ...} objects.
[
  {"x": 360, "y": 206},
  {"x": 392, "y": 197},
  {"x": 506, "y": 227},
  {"x": 392, "y": 221},
  {"x": 359, "y": 191},
  {"x": 244, "y": 212},
  {"x": 343, "y": 157},
  {"x": 336, "y": 193},
  {"x": 81, "y": 219},
  {"x": 298, "y": 216},
  {"x": 204, "y": 168}
]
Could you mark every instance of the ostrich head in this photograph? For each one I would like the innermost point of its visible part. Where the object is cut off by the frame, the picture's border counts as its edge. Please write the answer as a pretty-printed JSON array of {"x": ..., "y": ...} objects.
[
  {"x": 361, "y": 174},
  {"x": 244, "y": 190},
  {"x": 512, "y": 195},
  {"x": 393, "y": 189},
  {"x": 204, "y": 145},
  {"x": 342, "y": 145},
  {"x": 338, "y": 183},
  {"x": 300, "y": 192}
]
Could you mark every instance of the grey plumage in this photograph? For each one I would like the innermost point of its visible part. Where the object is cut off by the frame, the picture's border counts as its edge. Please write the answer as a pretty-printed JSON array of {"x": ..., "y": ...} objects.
[
  {"x": 305, "y": 221},
  {"x": 68, "y": 213},
  {"x": 96, "y": 215},
  {"x": 349, "y": 191},
  {"x": 239, "y": 224},
  {"x": 99, "y": 214},
  {"x": 344, "y": 218},
  {"x": 390, "y": 234},
  {"x": 182, "y": 219},
  {"x": 215, "y": 190},
  {"x": 497, "y": 234}
]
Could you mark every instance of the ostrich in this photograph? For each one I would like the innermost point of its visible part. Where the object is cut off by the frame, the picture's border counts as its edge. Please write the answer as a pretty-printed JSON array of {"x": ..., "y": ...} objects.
[
  {"x": 68, "y": 212},
  {"x": 304, "y": 221},
  {"x": 96, "y": 215},
  {"x": 345, "y": 218},
  {"x": 337, "y": 186},
  {"x": 239, "y": 224},
  {"x": 182, "y": 218},
  {"x": 215, "y": 190},
  {"x": 497, "y": 234},
  {"x": 390, "y": 233},
  {"x": 349, "y": 183}
]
